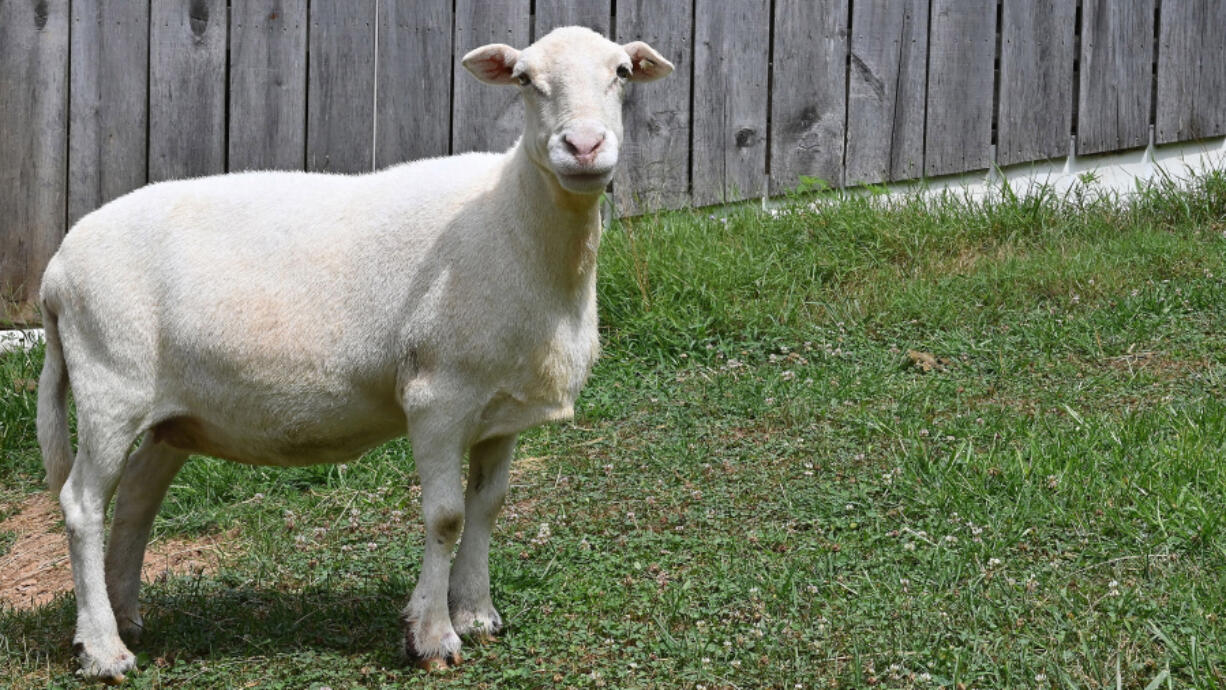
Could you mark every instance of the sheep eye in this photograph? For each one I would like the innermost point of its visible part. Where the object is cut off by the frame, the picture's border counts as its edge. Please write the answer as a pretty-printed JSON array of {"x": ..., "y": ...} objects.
[
  {"x": 524, "y": 80},
  {"x": 623, "y": 71}
]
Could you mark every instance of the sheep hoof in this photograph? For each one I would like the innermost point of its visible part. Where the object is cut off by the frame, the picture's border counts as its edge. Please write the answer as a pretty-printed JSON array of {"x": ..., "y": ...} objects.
[
  {"x": 438, "y": 659},
  {"x": 109, "y": 667},
  {"x": 436, "y": 664},
  {"x": 131, "y": 632}
]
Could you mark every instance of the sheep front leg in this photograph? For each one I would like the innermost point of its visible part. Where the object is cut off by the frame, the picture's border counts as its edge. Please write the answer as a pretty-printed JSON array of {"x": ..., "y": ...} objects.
[
  {"x": 472, "y": 610},
  {"x": 429, "y": 639}
]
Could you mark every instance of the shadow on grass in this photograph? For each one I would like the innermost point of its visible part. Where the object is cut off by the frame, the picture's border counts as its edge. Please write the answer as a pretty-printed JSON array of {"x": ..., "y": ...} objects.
[{"x": 196, "y": 617}]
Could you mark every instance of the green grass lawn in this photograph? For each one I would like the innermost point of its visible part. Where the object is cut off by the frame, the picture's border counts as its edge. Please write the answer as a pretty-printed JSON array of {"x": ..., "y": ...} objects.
[{"x": 760, "y": 490}]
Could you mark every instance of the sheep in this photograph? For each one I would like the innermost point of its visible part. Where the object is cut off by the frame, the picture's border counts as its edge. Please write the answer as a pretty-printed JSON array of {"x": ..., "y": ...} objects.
[{"x": 289, "y": 318}]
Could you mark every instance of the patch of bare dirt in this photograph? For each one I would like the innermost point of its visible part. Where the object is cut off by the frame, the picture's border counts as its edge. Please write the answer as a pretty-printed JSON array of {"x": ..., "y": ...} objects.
[
  {"x": 926, "y": 361},
  {"x": 36, "y": 568},
  {"x": 1158, "y": 364},
  {"x": 523, "y": 494}
]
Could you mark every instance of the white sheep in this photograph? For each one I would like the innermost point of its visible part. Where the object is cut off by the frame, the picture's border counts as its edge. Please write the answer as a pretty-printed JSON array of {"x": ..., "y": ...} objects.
[{"x": 282, "y": 318}]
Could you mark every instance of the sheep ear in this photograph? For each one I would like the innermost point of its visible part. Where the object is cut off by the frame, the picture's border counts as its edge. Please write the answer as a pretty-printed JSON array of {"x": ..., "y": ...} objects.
[
  {"x": 649, "y": 65},
  {"x": 493, "y": 63}
]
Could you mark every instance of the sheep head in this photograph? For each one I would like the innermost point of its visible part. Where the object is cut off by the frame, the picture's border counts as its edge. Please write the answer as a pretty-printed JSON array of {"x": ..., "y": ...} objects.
[{"x": 573, "y": 82}]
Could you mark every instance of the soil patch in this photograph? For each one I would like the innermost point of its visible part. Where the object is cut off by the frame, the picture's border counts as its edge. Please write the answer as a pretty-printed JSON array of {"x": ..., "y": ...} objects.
[{"x": 36, "y": 569}]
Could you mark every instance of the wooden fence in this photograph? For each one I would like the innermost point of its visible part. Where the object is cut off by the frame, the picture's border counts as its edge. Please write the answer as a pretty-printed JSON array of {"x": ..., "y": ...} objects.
[{"x": 98, "y": 97}]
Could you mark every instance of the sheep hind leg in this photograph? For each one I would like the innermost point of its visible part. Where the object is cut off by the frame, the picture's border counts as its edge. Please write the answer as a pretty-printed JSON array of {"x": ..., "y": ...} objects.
[
  {"x": 146, "y": 477},
  {"x": 472, "y": 609},
  {"x": 99, "y": 463},
  {"x": 429, "y": 639}
]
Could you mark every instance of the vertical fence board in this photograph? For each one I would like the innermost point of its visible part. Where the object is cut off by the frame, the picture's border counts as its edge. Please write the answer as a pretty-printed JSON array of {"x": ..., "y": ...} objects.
[
  {"x": 730, "y": 97},
  {"x": 33, "y": 146},
  {"x": 809, "y": 95},
  {"x": 486, "y": 117},
  {"x": 413, "y": 113},
  {"x": 1117, "y": 38},
  {"x": 109, "y": 94},
  {"x": 550, "y": 14},
  {"x": 885, "y": 90},
  {"x": 654, "y": 168},
  {"x": 961, "y": 52},
  {"x": 187, "y": 89},
  {"x": 267, "y": 84},
  {"x": 1191, "y": 70},
  {"x": 1036, "y": 80},
  {"x": 341, "y": 86}
]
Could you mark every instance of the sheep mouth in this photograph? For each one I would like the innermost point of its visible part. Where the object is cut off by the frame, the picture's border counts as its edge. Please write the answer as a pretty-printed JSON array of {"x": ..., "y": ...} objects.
[{"x": 585, "y": 181}]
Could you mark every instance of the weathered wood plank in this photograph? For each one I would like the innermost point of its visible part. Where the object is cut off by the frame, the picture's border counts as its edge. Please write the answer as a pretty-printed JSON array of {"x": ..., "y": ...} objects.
[
  {"x": 886, "y": 90},
  {"x": 730, "y": 98},
  {"x": 1036, "y": 80},
  {"x": 341, "y": 86},
  {"x": 809, "y": 97},
  {"x": 33, "y": 147},
  {"x": 550, "y": 14},
  {"x": 1116, "y": 85},
  {"x": 654, "y": 168},
  {"x": 961, "y": 53},
  {"x": 1191, "y": 70},
  {"x": 109, "y": 94},
  {"x": 485, "y": 117},
  {"x": 187, "y": 89},
  {"x": 268, "y": 54},
  {"x": 412, "y": 117}
]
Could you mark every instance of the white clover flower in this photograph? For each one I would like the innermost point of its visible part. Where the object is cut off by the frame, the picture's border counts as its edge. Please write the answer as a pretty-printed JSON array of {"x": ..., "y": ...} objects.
[{"x": 543, "y": 534}]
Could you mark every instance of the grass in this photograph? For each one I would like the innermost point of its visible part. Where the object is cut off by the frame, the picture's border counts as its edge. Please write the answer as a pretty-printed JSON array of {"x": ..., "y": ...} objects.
[{"x": 759, "y": 491}]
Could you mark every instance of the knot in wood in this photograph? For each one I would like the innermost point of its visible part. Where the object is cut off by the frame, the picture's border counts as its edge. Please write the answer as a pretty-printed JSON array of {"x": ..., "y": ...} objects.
[
  {"x": 40, "y": 15},
  {"x": 198, "y": 16}
]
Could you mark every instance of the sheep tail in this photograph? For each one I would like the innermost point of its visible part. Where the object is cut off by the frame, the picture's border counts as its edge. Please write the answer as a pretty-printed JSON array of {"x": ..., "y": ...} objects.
[{"x": 53, "y": 408}]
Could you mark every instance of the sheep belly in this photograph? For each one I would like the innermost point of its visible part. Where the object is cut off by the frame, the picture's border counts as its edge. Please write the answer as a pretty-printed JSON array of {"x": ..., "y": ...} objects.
[{"x": 336, "y": 440}]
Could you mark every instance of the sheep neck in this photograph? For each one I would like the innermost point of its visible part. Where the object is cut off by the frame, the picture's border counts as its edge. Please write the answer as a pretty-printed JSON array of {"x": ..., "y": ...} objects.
[{"x": 566, "y": 224}]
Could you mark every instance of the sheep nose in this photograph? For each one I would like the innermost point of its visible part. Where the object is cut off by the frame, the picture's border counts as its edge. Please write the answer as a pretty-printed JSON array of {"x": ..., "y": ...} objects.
[{"x": 583, "y": 144}]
